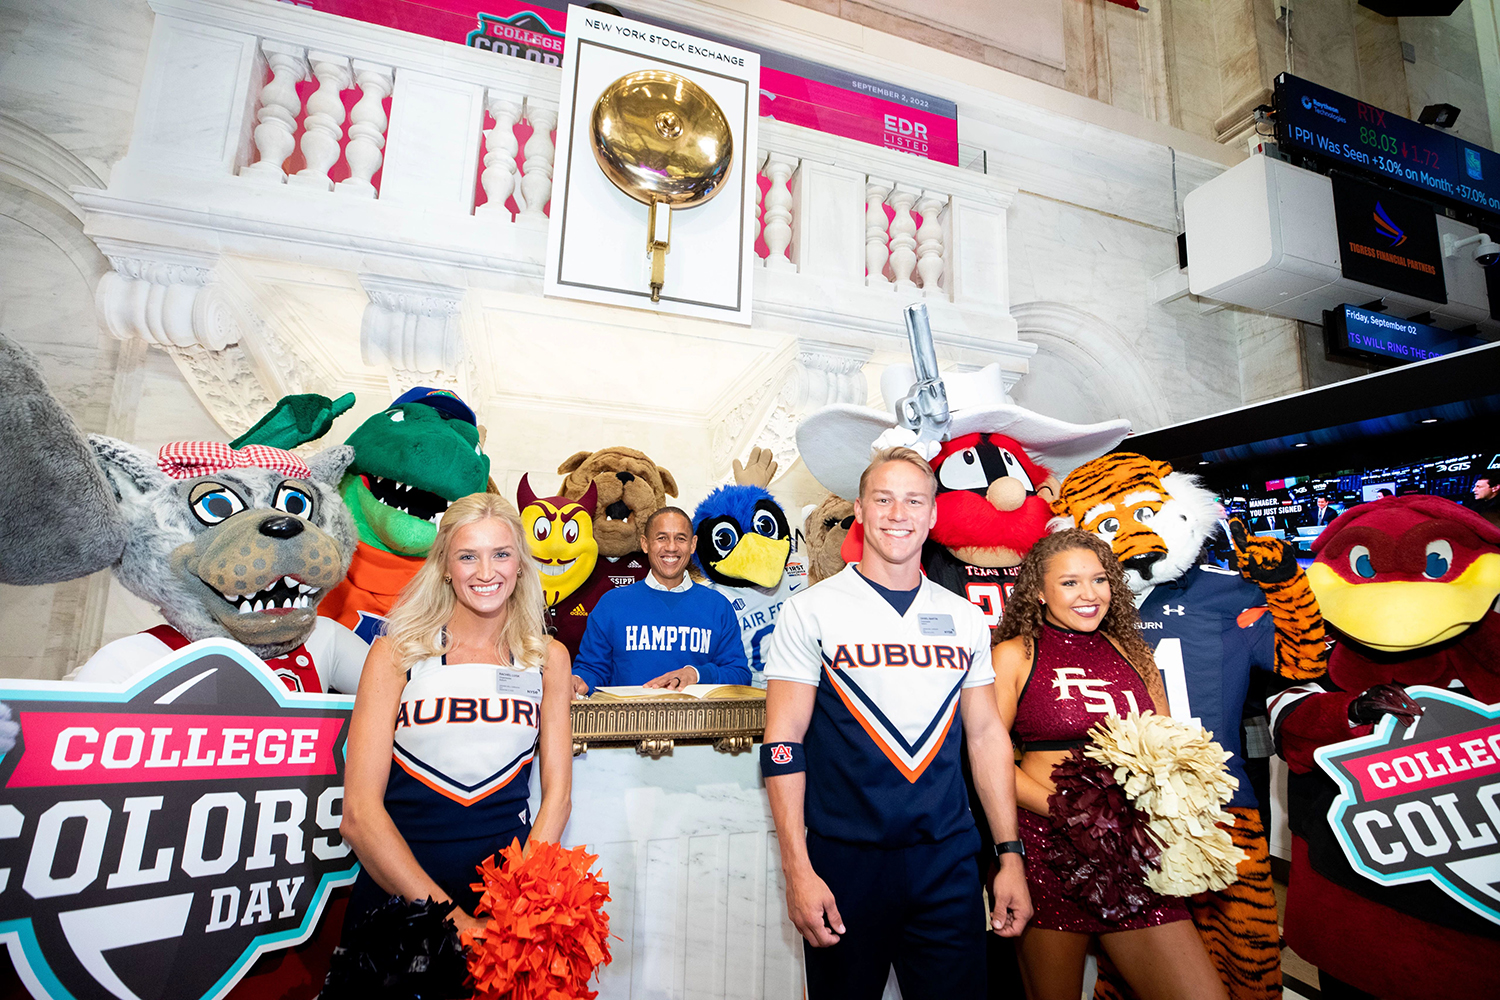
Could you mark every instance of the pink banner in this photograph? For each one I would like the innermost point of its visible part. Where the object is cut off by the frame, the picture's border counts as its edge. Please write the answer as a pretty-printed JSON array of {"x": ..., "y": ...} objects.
[
  {"x": 74, "y": 748},
  {"x": 1461, "y": 757},
  {"x": 791, "y": 90}
]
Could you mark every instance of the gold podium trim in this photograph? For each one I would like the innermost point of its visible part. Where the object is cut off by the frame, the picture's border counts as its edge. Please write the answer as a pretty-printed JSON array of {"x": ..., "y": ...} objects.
[{"x": 731, "y": 725}]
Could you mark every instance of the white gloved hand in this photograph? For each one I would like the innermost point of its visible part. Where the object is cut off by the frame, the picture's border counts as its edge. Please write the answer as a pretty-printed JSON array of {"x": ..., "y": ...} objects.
[{"x": 901, "y": 437}]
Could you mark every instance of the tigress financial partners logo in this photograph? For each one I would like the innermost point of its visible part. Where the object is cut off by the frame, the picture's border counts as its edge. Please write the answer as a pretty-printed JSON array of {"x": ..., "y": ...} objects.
[
  {"x": 1386, "y": 227},
  {"x": 1422, "y": 803},
  {"x": 156, "y": 839}
]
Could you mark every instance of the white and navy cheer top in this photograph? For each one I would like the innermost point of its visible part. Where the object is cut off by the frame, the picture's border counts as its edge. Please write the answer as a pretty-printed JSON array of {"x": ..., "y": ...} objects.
[
  {"x": 465, "y": 737},
  {"x": 884, "y": 747}
]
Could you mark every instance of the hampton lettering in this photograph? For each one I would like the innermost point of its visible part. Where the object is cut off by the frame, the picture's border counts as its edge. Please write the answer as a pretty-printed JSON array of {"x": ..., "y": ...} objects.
[{"x": 648, "y": 638}]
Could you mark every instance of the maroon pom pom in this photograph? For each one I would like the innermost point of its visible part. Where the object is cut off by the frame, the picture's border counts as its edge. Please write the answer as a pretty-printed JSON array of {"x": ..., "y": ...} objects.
[{"x": 1101, "y": 846}]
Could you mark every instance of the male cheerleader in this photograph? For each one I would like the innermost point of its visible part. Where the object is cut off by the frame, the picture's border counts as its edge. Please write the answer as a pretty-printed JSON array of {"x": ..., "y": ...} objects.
[{"x": 866, "y": 673}]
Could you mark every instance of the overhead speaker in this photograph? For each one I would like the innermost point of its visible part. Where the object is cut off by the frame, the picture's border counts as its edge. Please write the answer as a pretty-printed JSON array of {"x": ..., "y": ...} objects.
[{"x": 1411, "y": 8}]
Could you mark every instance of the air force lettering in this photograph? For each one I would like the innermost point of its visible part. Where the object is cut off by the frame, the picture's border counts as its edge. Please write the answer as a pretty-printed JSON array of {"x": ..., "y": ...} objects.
[
  {"x": 465, "y": 737},
  {"x": 884, "y": 745}
]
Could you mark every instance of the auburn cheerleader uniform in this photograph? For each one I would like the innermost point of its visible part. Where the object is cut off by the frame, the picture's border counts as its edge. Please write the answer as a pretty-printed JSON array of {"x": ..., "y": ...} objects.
[
  {"x": 888, "y": 822},
  {"x": 465, "y": 737},
  {"x": 1076, "y": 677}
]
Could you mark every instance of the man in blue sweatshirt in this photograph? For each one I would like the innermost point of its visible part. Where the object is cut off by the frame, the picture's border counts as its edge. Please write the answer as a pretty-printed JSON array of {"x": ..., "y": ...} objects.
[{"x": 662, "y": 632}]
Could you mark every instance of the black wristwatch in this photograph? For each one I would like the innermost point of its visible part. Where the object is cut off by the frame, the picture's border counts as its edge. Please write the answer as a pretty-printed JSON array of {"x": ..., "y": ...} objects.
[{"x": 1010, "y": 847}]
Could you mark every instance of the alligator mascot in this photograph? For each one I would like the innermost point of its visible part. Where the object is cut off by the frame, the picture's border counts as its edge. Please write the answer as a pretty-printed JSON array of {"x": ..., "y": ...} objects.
[
  {"x": 1212, "y": 631},
  {"x": 411, "y": 460},
  {"x": 1409, "y": 586}
]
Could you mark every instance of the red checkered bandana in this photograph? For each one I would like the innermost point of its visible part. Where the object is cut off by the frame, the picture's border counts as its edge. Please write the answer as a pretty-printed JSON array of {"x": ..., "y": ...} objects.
[{"x": 190, "y": 459}]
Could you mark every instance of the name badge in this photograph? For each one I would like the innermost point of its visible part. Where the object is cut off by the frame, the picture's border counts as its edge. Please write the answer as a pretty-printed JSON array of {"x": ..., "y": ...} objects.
[
  {"x": 519, "y": 683},
  {"x": 936, "y": 624}
]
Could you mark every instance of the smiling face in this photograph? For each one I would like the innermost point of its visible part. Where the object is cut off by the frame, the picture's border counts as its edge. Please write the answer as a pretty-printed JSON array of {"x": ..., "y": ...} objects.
[
  {"x": 482, "y": 565},
  {"x": 897, "y": 510},
  {"x": 560, "y": 534},
  {"x": 1075, "y": 591},
  {"x": 669, "y": 544}
]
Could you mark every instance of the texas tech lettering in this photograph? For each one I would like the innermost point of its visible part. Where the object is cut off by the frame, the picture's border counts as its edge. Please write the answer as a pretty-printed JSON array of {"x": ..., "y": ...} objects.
[
  {"x": 901, "y": 654},
  {"x": 667, "y": 637}
]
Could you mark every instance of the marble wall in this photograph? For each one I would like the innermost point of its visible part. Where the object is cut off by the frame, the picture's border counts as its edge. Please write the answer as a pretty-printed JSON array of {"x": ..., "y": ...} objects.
[
  {"x": 1203, "y": 65},
  {"x": 1091, "y": 228}
]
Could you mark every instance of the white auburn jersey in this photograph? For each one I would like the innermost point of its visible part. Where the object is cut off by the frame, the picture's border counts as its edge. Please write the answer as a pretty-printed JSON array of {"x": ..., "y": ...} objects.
[
  {"x": 465, "y": 737},
  {"x": 884, "y": 746}
]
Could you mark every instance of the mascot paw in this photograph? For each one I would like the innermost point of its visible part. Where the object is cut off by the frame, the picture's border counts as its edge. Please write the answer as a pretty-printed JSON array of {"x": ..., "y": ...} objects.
[
  {"x": 1263, "y": 561},
  {"x": 900, "y": 437},
  {"x": 296, "y": 420},
  {"x": 758, "y": 471},
  {"x": 1384, "y": 699}
]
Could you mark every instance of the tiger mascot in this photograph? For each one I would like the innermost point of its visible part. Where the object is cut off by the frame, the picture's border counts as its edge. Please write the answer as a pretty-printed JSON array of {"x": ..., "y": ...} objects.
[{"x": 1209, "y": 628}]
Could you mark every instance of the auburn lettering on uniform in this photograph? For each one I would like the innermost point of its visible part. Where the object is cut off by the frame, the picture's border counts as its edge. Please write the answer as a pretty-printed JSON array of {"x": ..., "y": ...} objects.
[
  {"x": 425, "y": 712},
  {"x": 668, "y": 637},
  {"x": 897, "y": 654}
]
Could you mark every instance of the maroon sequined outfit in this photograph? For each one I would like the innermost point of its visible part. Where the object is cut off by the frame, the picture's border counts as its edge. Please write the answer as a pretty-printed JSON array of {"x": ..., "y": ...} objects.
[{"x": 1076, "y": 678}]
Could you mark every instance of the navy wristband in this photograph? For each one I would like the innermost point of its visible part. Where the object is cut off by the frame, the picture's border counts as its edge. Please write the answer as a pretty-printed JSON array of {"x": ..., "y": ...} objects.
[{"x": 781, "y": 758}]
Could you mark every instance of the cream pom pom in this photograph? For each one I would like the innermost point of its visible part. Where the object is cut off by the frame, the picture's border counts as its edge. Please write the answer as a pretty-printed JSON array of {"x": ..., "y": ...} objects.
[{"x": 1176, "y": 774}]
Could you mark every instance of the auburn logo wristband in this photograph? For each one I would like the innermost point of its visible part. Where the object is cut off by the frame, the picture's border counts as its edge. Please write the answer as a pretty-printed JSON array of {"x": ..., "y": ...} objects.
[{"x": 781, "y": 758}]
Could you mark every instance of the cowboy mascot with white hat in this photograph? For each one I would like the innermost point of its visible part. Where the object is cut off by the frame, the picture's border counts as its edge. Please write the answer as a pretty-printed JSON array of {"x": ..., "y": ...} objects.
[{"x": 997, "y": 464}]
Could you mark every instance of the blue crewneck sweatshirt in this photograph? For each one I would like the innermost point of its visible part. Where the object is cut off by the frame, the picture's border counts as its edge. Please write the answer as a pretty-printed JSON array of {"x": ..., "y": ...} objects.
[{"x": 638, "y": 632}]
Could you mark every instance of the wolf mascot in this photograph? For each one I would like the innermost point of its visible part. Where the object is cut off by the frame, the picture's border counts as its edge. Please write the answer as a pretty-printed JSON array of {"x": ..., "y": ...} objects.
[
  {"x": 232, "y": 543},
  {"x": 410, "y": 461},
  {"x": 1409, "y": 585},
  {"x": 1210, "y": 629}
]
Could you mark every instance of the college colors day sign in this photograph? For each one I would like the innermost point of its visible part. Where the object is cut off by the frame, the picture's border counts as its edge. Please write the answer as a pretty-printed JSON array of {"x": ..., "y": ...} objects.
[
  {"x": 156, "y": 838},
  {"x": 791, "y": 90},
  {"x": 1422, "y": 803}
]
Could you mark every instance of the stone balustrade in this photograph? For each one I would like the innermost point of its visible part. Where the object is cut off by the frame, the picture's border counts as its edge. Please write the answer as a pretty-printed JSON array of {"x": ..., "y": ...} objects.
[{"x": 460, "y": 169}]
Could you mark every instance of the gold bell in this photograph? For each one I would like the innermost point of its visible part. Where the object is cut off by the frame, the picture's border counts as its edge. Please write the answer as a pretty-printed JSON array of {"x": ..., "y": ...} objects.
[{"x": 661, "y": 139}]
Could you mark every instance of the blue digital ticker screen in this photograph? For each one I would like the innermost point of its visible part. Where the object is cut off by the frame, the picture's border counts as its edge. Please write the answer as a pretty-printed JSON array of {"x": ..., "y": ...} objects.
[
  {"x": 1366, "y": 332},
  {"x": 1339, "y": 128}
]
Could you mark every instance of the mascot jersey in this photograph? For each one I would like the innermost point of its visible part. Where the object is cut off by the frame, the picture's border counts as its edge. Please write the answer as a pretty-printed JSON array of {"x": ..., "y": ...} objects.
[
  {"x": 757, "y": 608},
  {"x": 330, "y": 660},
  {"x": 366, "y": 596},
  {"x": 465, "y": 737},
  {"x": 884, "y": 745},
  {"x": 1206, "y": 640},
  {"x": 986, "y": 587},
  {"x": 570, "y": 617}
]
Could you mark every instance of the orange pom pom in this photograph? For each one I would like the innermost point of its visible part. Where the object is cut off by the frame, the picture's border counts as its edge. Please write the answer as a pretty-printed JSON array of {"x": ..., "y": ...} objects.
[{"x": 546, "y": 931}]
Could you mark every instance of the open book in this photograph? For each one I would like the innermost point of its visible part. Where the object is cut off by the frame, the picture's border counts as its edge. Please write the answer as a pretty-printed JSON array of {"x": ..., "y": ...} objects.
[{"x": 693, "y": 692}]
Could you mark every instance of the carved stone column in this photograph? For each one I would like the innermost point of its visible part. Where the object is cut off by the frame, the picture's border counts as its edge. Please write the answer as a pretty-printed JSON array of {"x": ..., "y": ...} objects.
[
  {"x": 821, "y": 373},
  {"x": 171, "y": 299},
  {"x": 412, "y": 328}
]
